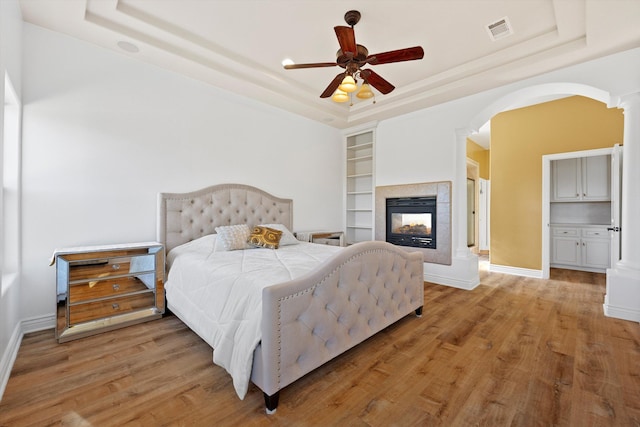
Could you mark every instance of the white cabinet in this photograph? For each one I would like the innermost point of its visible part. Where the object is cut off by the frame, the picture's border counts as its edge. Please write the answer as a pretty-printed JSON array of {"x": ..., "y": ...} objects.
[
  {"x": 565, "y": 246},
  {"x": 360, "y": 187},
  {"x": 580, "y": 247},
  {"x": 581, "y": 179}
]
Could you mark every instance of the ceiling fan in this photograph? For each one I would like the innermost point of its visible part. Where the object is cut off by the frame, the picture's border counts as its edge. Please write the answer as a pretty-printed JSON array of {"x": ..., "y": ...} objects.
[{"x": 352, "y": 57}]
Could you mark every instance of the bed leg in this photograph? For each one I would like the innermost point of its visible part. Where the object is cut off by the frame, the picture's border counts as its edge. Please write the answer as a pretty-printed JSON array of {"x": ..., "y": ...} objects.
[
  {"x": 419, "y": 312},
  {"x": 271, "y": 402}
]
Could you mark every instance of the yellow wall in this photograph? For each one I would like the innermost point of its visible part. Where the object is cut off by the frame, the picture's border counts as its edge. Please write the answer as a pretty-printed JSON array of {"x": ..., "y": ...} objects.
[
  {"x": 519, "y": 139},
  {"x": 480, "y": 155}
]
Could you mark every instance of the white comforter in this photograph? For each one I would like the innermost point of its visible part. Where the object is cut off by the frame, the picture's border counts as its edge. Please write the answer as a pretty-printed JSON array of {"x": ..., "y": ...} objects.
[{"x": 219, "y": 294}]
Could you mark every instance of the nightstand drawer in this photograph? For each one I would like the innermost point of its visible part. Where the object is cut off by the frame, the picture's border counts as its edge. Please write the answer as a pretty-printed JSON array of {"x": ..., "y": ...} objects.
[
  {"x": 101, "y": 268},
  {"x": 333, "y": 241},
  {"x": 107, "y": 288},
  {"x": 110, "y": 307}
]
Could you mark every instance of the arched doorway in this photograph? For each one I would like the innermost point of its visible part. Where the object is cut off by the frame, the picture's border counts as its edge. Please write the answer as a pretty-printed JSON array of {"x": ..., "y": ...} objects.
[{"x": 524, "y": 98}]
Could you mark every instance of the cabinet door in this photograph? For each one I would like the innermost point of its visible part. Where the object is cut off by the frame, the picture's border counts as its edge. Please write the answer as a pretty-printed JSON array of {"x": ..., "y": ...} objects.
[
  {"x": 596, "y": 178},
  {"x": 566, "y": 180},
  {"x": 596, "y": 253},
  {"x": 565, "y": 250}
]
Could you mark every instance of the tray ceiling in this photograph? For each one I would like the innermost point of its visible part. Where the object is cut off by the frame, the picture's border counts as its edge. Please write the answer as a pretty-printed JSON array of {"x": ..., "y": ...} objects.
[{"x": 239, "y": 45}]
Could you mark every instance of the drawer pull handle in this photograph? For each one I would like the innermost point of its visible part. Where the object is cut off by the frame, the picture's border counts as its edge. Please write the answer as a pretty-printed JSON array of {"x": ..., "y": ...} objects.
[
  {"x": 116, "y": 287},
  {"x": 116, "y": 266},
  {"x": 115, "y": 306}
]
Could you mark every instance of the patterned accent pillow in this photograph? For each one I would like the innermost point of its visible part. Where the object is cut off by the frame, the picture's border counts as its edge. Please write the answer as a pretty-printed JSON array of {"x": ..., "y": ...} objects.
[
  {"x": 287, "y": 236},
  {"x": 234, "y": 237},
  {"x": 265, "y": 237}
]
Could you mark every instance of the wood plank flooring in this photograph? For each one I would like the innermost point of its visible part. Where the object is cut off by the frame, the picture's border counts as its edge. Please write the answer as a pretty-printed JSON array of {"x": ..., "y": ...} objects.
[{"x": 513, "y": 352}]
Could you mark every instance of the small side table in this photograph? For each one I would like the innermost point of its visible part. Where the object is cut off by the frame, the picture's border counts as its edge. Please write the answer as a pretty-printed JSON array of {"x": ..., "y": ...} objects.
[
  {"x": 333, "y": 238},
  {"x": 100, "y": 288}
]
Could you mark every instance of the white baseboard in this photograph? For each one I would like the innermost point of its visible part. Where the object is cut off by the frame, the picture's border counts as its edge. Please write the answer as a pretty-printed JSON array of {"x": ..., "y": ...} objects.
[
  {"x": 35, "y": 324},
  {"x": 450, "y": 281},
  {"x": 620, "y": 312},
  {"x": 9, "y": 357},
  {"x": 516, "y": 271},
  {"x": 26, "y": 326}
]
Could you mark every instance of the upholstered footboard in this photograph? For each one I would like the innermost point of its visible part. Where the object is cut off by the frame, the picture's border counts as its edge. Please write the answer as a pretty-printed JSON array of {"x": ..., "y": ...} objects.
[{"x": 310, "y": 320}]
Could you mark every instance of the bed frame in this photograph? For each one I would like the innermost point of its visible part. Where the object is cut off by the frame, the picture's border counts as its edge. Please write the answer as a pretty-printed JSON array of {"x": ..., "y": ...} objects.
[{"x": 310, "y": 320}]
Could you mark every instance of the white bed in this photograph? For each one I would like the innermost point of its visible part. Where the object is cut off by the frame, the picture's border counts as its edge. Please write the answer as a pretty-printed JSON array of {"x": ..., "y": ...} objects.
[{"x": 273, "y": 315}]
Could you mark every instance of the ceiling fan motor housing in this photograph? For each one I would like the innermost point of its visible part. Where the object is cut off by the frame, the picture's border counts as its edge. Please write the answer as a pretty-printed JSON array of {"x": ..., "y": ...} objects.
[{"x": 342, "y": 59}]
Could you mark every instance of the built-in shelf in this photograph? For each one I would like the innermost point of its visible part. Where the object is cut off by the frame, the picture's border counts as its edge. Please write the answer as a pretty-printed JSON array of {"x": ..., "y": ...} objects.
[
  {"x": 360, "y": 187},
  {"x": 356, "y": 159}
]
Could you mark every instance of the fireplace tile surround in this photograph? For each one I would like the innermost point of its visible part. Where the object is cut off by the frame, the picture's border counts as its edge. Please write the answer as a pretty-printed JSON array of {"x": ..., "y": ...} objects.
[{"x": 442, "y": 191}]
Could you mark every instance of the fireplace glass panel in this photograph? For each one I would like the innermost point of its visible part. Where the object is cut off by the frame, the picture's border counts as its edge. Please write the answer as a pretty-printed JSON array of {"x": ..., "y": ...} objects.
[
  {"x": 416, "y": 224},
  {"x": 411, "y": 221}
]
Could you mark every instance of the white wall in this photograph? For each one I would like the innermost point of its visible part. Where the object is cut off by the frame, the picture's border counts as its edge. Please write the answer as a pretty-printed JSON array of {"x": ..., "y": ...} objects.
[
  {"x": 10, "y": 63},
  {"x": 104, "y": 133}
]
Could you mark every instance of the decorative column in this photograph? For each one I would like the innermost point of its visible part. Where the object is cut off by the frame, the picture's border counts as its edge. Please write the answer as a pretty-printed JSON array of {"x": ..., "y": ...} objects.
[
  {"x": 460, "y": 196},
  {"x": 622, "y": 299},
  {"x": 464, "y": 262}
]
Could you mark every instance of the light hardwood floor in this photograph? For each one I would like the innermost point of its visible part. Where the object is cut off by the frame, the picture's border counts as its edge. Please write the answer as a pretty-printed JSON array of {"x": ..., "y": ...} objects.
[{"x": 513, "y": 352}]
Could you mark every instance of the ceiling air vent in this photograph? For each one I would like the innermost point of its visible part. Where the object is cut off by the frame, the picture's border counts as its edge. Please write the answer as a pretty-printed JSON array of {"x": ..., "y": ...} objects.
[{"x": 499, "y": 29}]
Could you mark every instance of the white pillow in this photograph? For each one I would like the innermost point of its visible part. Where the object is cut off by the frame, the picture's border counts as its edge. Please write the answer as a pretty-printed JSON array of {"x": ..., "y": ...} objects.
[
  {"x": 287, "y": 237},
  {"x": 233, "y": 237}
]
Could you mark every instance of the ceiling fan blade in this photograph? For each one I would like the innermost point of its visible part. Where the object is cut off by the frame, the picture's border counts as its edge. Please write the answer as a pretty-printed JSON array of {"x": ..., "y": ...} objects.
[
  {"x": 376, "y": 81},
  {"x": 332, "y": 86},
  {"x": 347, "y": 39},
  {"x": 408, "y": 54},
  {"x": 312, "y": 65}
]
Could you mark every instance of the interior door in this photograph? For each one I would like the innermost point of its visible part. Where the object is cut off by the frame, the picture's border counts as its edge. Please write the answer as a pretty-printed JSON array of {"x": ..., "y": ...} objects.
[
  {"x": 483, "y": 215},
  {"x": 471, "y": 212},
  {"x": 616, "y": 201}
]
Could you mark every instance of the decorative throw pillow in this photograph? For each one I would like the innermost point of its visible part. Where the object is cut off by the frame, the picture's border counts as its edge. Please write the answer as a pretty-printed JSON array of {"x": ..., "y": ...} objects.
[
  {"x": 287, "y": 236},
  {"x": 234, "y": 237},
  {"x": 265, "y": 237}
]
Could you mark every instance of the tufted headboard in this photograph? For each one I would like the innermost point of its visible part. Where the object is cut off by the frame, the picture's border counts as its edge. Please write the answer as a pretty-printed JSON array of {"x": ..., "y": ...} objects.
[{"x": 183, "y": 217}]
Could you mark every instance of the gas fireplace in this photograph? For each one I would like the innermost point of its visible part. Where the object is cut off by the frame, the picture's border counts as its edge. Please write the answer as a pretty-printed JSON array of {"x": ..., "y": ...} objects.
[{"x": 411, "y": 221}]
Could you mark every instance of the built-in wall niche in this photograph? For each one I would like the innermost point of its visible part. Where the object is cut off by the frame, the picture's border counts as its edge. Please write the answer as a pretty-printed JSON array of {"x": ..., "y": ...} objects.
[
  {"x": 580, "y": 213},
  {"x": 359, "y": 187}
]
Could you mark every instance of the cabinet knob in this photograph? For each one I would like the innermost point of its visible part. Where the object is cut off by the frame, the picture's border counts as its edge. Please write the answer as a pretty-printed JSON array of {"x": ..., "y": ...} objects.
[
  {"x": 115, "y": 306},
  {"x": 116, "y": 266},
  {"x": 116, "y": 287}
]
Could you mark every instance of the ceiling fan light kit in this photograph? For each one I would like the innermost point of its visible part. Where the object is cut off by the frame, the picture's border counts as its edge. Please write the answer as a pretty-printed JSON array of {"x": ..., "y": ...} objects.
[
  {"x": 352, "y": 57},
  {"x": 348, "y": 84},
  {"x": 365, "y": 92},
  {"x": 340, "y": 96}
]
